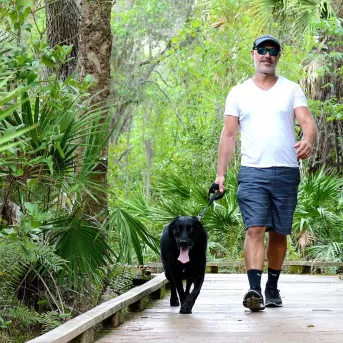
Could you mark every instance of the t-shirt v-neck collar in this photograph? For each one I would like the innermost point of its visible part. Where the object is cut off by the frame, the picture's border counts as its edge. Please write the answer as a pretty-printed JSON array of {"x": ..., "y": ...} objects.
[{"x": 267, "y": 90}]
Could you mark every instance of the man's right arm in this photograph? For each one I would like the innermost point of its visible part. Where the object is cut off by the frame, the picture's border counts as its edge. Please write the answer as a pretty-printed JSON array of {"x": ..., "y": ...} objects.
[{"x": 226, "y": 147}]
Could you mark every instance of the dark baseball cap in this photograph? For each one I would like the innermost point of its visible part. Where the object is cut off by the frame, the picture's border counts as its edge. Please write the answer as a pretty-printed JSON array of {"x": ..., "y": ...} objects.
[{"x": 266, "y": 38}]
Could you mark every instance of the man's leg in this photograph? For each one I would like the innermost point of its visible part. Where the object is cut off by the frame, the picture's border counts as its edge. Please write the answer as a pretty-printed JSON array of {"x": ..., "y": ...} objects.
[
  {"x": 277, "y": 248},
  {"x": 276, "y": 253},
  {"x": 254, "y": 261}
]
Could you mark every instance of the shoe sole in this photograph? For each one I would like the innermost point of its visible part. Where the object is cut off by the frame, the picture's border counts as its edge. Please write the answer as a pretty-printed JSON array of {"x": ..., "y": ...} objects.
[{"x": 253, "y": 301}]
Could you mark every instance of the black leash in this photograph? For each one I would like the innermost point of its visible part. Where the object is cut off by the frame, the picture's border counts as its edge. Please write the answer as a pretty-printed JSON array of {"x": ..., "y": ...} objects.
[{"x": 216, "y": 196}]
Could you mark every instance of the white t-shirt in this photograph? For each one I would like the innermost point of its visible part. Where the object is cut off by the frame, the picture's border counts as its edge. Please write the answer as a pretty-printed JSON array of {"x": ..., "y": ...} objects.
[{"x": 266, "y": 120}]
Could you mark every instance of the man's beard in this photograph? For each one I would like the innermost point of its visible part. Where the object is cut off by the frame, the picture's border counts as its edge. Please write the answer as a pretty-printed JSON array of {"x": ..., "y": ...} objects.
[{"x": 262, "y": 68}]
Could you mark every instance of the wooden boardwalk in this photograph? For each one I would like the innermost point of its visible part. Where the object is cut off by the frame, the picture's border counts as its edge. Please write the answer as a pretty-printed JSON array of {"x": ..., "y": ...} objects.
[{"x": 312, "y": 312}]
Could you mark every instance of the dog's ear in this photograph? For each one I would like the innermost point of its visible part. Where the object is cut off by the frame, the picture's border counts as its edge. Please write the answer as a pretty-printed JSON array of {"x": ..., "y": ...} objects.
[
  {"x": 198, "y": 227},
  {"x": 197, "y": 223},
  {"x": 172, "y": 225}
]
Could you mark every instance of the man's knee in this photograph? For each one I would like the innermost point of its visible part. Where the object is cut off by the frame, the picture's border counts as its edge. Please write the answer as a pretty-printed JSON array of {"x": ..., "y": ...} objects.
[{"x": 256, "y": 232}]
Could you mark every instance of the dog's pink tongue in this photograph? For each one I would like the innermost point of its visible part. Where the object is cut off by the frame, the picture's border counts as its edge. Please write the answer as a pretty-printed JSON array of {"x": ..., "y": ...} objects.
[{"x": 184, "y": 257}]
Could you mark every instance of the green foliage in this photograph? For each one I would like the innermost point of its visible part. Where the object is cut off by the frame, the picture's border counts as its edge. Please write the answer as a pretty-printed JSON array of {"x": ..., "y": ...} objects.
[
  {"x": 82, "y": 243},
  {"x": 118, "y": 278},
  {"x": 3, "y": 324},
  {"x": 318, "y": 219},
  {"x": 50, "y": 320},
  {"x": 15, "y": 14},
  {"x": 13, "y": 267},
  {"x": 131, "y": 234},
  {"x": 5, "y": 338},
  {"x": 22, "y": 323},
  {"x": 51, "y": 143},
  {"x": 56, "y": 123},
  {"x": 296, "y": 16}
]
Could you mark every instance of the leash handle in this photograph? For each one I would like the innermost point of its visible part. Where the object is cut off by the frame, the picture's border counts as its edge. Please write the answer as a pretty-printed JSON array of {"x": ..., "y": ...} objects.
[
  {"x": 217, "y": 195},
  {"x": 215, "y": 189}
]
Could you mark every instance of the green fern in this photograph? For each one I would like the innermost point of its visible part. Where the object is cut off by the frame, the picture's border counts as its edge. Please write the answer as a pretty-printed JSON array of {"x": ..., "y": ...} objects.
[
  {"x": 50, "y": 320},
  {"x": 4, "y": 338}
]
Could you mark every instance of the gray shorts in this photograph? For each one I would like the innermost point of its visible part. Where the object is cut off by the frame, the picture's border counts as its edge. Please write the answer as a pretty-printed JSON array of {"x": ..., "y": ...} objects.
[{"x": 268, "y": 196}]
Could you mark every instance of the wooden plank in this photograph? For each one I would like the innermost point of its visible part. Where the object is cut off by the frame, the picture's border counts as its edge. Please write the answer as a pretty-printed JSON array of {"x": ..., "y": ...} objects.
[
  {"x": 312, "y": 311},
  {"x": 78, "y": 325}
]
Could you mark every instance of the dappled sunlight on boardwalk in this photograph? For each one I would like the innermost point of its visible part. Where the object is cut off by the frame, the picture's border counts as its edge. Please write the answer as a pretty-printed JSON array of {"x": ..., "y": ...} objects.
[{"x": 312, "y": 312}]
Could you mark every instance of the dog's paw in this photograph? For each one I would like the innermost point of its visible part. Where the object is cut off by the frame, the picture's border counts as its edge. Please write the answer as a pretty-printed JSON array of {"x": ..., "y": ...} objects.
[
  {"x": 174, "y": 302},
  {"x": 185, "y": 310}
]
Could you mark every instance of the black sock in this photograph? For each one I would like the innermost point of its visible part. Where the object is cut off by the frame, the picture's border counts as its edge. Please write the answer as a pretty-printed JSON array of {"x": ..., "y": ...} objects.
[
  {"x": 273, "y": 278},
  {"x": 254, "y": 276}
]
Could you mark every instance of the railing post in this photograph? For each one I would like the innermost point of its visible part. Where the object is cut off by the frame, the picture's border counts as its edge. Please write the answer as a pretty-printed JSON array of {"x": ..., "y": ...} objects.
[
  {"x": 214, "y": 269},
  {"x": 158, "y": 294},
  {"x": 114, "y": 321},
  {"x": 85, "y": 337},
  {"x": 138, "y": 305}
]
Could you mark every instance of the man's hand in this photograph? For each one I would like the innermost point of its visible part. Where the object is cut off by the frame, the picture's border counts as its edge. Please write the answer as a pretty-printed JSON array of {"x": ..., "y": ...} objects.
[
  {"x": 214, "y": 189},
  {"x": 304, "y": 149},
  {"x": 220, "y": 182}
]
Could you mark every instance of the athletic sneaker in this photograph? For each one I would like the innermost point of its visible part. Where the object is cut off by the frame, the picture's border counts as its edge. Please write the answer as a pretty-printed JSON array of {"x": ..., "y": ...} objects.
[
  {"x": 273, "y": 298},
  {"x": 253, "y": 300}
]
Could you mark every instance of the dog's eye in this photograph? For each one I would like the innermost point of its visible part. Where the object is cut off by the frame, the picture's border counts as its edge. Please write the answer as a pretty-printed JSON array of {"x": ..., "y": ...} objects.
[
  {"x": 190, "y": 229},
  {"x": 177, "y": 230}
]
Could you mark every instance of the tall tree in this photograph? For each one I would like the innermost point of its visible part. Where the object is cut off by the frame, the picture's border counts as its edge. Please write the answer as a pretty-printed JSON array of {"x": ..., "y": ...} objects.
[
  {"x": 327, "y": 87},
  {"x": 94, "y": 59},
  {"x": 96, "y": 45},
  {"x": 62, "y": 21}
]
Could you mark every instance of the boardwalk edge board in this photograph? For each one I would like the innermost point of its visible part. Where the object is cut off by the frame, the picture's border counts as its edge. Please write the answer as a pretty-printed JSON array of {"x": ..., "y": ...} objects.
[
  {"x": 83, "y": 324},
  {"x": 212, "y": 267}
]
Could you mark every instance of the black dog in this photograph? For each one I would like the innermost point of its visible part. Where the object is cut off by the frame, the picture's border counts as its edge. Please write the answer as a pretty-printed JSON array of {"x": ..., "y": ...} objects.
[{"x": 183, "y": 254}]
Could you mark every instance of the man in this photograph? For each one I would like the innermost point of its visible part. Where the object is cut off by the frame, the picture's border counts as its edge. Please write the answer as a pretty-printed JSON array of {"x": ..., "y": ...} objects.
[{"x": 265, "y": 108}]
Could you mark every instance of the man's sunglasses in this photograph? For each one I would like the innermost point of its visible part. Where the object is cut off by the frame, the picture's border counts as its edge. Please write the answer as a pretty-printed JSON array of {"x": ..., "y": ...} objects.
[{"x": 263, "y": 51}]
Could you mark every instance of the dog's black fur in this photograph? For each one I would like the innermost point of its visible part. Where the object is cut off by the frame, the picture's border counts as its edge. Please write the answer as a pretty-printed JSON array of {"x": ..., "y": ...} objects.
[{"x": 184, "y": 233}]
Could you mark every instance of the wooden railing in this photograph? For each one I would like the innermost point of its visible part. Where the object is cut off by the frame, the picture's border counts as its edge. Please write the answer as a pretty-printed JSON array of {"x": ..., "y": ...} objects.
[{"x": 110, "y": 314}]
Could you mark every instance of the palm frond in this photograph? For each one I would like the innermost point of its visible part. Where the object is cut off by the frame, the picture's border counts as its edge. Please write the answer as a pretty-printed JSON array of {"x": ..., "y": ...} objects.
[
  {"x": 266, "y": 11},
  {"x": 320, "y": 188},
  {"x": 306, "y": 12},
  {"x": 295, "y": 15},
  {"x": 327, "y": 251},
  {"x": 82, "y": 244},
  {"x": 174, "y": 184},
  {"x": 132, "y": 234},
  {"x": 168, "y": 209},
  {"x": 137, "y": 204}
]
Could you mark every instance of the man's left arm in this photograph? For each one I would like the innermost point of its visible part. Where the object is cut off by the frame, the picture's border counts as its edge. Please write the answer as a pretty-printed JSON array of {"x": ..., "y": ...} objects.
[{"x": 308, "y": 126}]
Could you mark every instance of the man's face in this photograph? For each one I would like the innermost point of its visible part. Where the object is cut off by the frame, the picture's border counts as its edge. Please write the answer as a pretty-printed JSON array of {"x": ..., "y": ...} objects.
[{"x": 265, "y": 64}]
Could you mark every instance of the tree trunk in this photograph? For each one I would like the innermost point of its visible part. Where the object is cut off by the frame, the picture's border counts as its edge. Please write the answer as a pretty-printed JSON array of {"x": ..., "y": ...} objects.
[
  {"x": 62, "y": 21},
  {"x": 329, "y": 144},
  {"x": 96, "y": 45},
  {"x": 94, "y": 59}
]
